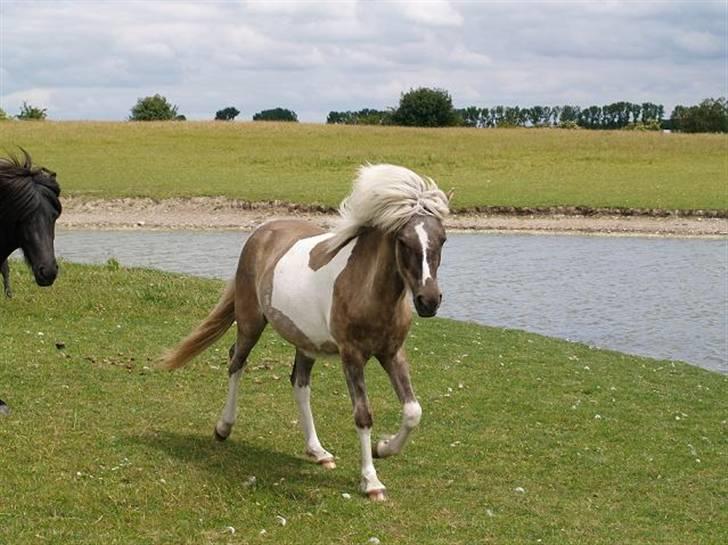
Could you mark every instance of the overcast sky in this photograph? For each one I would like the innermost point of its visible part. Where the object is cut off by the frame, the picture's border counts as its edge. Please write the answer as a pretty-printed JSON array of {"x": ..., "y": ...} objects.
[{"x": 92, "y": 59}]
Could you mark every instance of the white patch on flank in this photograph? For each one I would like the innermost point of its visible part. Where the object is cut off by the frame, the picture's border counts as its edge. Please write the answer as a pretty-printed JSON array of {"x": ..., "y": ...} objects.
[
  {"x": 304, "y": 295},
  {"x": 424, "y": 240}
]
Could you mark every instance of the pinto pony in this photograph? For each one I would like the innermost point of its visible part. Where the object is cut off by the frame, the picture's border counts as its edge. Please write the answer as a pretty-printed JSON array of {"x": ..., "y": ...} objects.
[
  {"x": 29, "y": 208},
  {"x": 343, "y": 292}
]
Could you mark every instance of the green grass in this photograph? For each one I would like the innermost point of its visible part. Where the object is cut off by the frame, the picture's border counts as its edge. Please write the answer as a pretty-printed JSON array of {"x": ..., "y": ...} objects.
[
  {"x": 315, "y": 163},
  {"x": 102, "y": 449}
]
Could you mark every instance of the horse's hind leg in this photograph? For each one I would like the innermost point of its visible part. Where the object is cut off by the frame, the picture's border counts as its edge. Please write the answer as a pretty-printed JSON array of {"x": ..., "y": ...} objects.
[
  {"x": 301, "y": 382},
  {"x": 4, "y": 409},
  {"x": 250, "y": 327},
  {"x": 5, "y": 272}
]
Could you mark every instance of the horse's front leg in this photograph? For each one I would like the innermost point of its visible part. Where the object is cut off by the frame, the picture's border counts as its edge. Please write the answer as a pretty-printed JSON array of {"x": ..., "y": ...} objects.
[
  {"x": 398, "y": 370},
  {"x": 354, "y": 371}
]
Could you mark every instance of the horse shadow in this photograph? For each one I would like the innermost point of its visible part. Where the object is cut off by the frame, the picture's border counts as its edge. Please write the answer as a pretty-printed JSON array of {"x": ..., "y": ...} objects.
[{"x": 235, "y": 461}]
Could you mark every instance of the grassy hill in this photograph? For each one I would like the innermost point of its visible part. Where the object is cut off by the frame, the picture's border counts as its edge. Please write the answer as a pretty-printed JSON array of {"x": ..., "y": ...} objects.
[{"x": 308, "y": 163}]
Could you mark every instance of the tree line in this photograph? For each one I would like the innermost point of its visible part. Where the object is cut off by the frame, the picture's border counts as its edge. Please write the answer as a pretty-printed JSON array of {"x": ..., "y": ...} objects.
[
  {"x": 426, "y": 107},
  {"x": 433, "y": 108}
]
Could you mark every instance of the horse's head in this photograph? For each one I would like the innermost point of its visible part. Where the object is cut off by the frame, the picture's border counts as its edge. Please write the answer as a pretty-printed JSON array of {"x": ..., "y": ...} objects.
[
  {"x": 37, "y": 230},
  {"x": 418, "y": 248}
]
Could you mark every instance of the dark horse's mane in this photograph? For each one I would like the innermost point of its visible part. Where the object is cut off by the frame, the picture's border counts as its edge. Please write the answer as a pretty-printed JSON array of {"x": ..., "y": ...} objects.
[{"x": 21, "y": 189}]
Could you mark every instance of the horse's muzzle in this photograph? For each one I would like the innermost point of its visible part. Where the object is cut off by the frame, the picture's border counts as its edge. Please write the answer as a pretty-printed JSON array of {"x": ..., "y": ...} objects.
[
  {"x": 45, "y": 275},
  {"x": 426, "y": 306}
]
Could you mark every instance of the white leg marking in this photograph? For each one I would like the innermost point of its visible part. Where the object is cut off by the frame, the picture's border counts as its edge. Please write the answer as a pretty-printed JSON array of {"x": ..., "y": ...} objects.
[
  {"x": 425, "y": 241},
  {"x": 313, "y": 445},
  {"x": 370, "y": 483},
  {"x": 411, "y": 414},
  {"x": 227, "y": 418}
]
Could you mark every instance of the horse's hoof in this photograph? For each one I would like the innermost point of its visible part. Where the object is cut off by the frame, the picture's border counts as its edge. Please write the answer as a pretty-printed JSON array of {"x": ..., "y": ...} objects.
[
  {"x": 4, "y": 410},
  {"x": 378, "y": 447},
  {"x": 377, "y": 495},
  {"x": 327, "y": 464},
  {"x": 219, "y": 437}
]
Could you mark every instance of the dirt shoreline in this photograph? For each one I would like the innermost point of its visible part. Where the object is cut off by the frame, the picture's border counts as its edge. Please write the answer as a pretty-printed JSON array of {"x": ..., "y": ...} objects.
[{"x": 218, "y": 213}]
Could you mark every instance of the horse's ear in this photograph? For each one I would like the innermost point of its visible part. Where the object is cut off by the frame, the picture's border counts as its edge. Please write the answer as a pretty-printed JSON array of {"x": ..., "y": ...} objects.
[{"x": 450, "y": 194}]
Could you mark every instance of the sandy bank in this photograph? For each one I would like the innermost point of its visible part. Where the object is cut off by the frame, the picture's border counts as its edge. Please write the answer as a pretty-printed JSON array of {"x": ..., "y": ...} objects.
[{"x": 219, "y": 213}]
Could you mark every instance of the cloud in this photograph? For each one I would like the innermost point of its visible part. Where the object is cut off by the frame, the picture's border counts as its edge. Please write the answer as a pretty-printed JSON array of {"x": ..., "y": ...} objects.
[
  {"x": 95, "y": 59},
  {"x": 431, "y": 12}
]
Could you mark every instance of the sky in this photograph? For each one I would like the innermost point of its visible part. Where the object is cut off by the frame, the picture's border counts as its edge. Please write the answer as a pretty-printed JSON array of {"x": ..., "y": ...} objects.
[{"x": 92, "y": 59}]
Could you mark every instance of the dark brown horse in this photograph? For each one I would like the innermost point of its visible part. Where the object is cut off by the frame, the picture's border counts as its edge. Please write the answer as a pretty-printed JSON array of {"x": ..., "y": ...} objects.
[
  {"x": 29, "y": 208},
  {"x": 343, "y": 292}
]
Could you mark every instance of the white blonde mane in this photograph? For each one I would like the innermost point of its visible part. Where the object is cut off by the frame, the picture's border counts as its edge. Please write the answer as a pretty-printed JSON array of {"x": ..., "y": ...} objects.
[{"x": 386, "y": 197}]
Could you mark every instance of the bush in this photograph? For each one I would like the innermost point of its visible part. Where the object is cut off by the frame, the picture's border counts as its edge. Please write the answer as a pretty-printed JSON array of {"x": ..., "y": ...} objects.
[
  {"x": 3, "y": 115},
  {"x": 276, "y": 114},
  {"x": 28, "y": 112},
  {"x": 569, "y": 125},
  {"x": 425, "y": 107},
  {"x": 711, "y": 115},
  {"x": 366, "y": 116},
  {"x": 154, "y": 108},
  {"x": 227, "y": 114},
  {"x": 653, "y": 125}
]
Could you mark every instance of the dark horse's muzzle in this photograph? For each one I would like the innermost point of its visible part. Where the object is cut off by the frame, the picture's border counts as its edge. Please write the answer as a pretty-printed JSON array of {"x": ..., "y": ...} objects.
[{"x": 46, "y": 274}]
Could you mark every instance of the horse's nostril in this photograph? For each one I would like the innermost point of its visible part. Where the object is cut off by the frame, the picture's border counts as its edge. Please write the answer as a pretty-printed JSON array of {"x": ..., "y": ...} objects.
[{"x": 420, "y": 301}]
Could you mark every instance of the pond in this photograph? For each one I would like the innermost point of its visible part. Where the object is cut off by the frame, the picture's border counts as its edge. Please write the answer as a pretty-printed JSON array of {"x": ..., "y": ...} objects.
[{"x": 660, "y": 297}]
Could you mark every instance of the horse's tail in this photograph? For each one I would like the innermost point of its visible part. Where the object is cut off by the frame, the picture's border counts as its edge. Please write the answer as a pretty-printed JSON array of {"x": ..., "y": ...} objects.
[{"x": 211, "y": 329}]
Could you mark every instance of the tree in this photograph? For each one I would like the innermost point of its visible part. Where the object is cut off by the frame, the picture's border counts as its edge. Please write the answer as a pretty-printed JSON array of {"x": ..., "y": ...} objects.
[
  {"x": 711, "y": 115},
  {"x": 425, "y": 107},
  {"x": 227, "y": 114},
  {"x": 569, "y": 114},
  {"x": 471, "y": 116},
  {"x": 276, "y": 114},
  {"x": 28, "y": 112},
  {"x": 154, "y": 108}
]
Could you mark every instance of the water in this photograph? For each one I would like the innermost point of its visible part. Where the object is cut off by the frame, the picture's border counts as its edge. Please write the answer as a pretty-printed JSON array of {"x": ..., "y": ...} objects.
[{"x": 665, "y": 298}]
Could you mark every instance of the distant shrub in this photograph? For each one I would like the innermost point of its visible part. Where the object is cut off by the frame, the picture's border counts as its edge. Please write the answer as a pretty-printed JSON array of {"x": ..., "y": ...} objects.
[
  {"x": 365, "y": 116},
  {"x": 653, "y": 125},
  {"x": 276, "y": 114},
  {"x": 31, "y": 113},
  {"x": 154, "y": 108},
  {"x": 227, "y": 114},
  {"x": 3, "y": 115},
  {"x": 425, "y": 107},
  {"x": 569, "y": 125}
]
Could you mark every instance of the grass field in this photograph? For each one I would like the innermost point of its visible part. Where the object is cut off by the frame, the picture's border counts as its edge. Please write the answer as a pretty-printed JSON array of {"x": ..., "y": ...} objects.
[
  {"x": 307, "y": 163},
  {"x": 524, "y": 439}
]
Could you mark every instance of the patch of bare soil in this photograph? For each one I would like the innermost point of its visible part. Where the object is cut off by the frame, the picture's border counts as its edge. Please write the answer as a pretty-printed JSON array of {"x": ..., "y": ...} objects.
[{"x": 209, "y": 213}]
